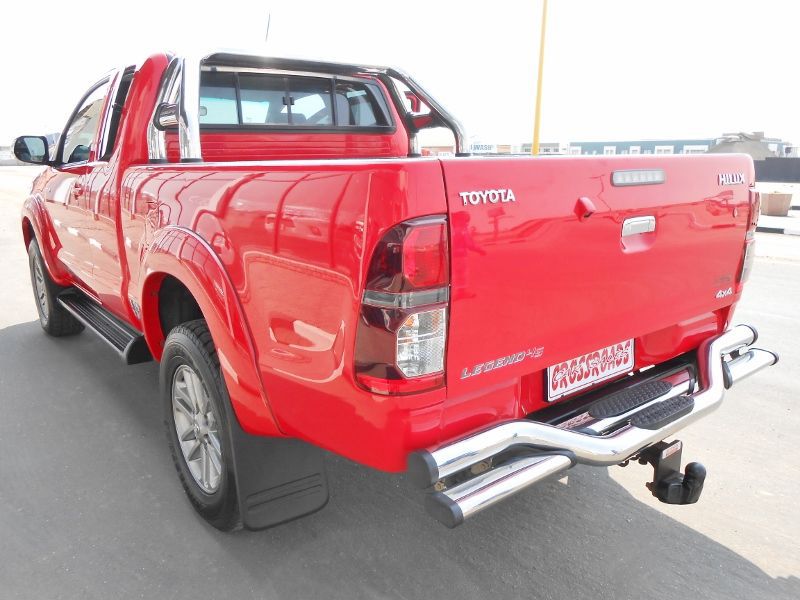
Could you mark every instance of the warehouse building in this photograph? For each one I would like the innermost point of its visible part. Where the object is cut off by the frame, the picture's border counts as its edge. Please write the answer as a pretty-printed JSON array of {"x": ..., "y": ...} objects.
[{"x": 696, "y": 146}]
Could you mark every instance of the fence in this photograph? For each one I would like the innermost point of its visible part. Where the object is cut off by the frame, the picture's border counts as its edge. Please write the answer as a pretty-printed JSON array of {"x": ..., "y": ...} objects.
[{"x": 778, "y": 170}]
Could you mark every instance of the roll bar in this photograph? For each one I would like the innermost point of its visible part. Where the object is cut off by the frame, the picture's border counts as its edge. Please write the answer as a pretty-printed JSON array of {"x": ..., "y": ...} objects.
[{"x": 178, "y": 99}]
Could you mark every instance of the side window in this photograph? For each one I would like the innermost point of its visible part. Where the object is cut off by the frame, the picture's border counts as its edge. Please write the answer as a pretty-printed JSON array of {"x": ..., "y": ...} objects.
[
  {"x": 360, "y": 105},
  {"x": 82, "y": 129}
]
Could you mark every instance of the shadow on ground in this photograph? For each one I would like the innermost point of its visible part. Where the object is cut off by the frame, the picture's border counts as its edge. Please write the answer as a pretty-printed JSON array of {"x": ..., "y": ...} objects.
[{"x": 90, "y": 507}]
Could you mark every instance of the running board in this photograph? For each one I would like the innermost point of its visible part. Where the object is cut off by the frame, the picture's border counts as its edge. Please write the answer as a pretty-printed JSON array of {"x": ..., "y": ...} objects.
[{"x": 123, "y": 338}]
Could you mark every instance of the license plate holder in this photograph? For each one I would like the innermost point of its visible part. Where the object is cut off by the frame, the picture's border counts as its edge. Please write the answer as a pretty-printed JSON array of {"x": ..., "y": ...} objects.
[{"x": 583, "y": 372}]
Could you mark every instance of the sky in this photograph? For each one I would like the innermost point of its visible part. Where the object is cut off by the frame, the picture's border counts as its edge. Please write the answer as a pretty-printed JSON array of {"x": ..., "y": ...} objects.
[{"x": 614, "y": 69}]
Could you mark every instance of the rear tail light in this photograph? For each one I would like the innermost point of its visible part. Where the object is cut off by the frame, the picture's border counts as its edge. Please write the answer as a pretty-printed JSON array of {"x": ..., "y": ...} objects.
[
  {"x": 420, "y": 343},
  {"x": 748, "y": 254},
  {"x": 425, "y": 256},
  {"x": 402, "y": 332}
]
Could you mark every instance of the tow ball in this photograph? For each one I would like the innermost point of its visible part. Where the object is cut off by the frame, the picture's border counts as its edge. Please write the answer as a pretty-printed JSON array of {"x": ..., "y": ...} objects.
[{"x": 669, "y": 485}]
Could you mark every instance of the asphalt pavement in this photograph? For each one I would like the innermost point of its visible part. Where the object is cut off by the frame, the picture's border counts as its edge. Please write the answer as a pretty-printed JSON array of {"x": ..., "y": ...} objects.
[{"x": 91, "y": 507}]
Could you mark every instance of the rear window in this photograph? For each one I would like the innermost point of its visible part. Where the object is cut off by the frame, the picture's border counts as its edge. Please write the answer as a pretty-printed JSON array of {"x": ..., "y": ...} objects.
[
  {"x": 218, "y": 99},
  {"x": 252, "y": 100}
]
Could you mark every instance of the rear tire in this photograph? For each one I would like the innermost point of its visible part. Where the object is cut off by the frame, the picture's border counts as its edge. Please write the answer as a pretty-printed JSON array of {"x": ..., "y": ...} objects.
[
  {"x": 55, "y": 320},
  {"x": 194, "y": 396}
]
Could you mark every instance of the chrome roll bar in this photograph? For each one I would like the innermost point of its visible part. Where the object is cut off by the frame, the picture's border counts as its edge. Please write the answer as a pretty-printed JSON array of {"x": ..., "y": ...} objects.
[
  {"x": 178, "y": 100},
  {"x": 189, "y": 110}
]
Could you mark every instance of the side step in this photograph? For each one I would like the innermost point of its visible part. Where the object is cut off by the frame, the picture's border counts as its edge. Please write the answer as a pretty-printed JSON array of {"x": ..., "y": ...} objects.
[{"x": 128, "y": 342}]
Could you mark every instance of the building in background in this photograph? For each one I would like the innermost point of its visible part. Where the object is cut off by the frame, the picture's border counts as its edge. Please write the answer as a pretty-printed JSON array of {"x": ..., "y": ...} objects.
[
  {"x": 696, "y": 146},
  {"x": 756, "y": 144}
]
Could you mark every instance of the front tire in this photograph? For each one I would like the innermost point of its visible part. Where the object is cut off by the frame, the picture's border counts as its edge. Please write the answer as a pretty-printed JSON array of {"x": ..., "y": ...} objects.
[
  {"x": 55, "y": 320},
  {"x": 194, "y": 396}
]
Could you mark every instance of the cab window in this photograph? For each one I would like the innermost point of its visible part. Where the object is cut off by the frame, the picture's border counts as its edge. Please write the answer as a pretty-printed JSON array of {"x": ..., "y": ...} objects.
[
  {"x": 82, "y": 129},
  {"x": 250, "y": 100}
]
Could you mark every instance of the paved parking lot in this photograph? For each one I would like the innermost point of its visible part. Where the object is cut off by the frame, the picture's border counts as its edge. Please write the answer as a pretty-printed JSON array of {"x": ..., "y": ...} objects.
[{"x": 90, "y": 506}]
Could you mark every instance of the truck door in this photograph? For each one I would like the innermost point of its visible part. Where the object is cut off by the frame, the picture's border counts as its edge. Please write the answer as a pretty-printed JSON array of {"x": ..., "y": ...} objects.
[
  {"x": 67, "y": 192},
  {"x": 103, "y": 210}
]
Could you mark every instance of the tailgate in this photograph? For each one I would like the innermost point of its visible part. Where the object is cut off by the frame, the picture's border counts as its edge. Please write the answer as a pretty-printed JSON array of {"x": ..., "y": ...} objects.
[{"x": 533, "y": 284}]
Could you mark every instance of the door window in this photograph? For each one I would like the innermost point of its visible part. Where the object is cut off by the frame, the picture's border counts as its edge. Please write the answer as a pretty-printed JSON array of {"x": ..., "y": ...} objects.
[
  {"x": 115, "y": 113},
  {"x": 82, "y": 129}
]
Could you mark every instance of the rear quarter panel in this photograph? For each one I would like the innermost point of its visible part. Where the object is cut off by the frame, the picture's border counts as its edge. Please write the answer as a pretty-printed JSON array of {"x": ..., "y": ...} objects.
[{"x": 294, "y": 238}]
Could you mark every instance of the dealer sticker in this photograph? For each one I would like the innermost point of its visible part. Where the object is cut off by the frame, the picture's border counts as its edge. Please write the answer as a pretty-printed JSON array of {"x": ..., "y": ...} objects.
[{"x": 584, "y": 371}]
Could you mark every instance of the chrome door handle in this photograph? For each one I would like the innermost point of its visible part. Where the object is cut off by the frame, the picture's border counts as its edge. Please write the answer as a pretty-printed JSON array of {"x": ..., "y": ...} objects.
[{"x": 637, "y": 225}]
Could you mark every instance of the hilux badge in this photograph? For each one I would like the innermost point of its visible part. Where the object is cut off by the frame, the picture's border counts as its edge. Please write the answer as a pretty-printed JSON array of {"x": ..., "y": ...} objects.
[
  {"x": 490, "y": 196},
  {"x": 731, "y": 178}
]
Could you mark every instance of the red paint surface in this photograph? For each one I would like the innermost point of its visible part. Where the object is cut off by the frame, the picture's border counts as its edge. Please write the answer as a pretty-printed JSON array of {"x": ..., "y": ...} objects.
[{"x": 276, "y": 254}]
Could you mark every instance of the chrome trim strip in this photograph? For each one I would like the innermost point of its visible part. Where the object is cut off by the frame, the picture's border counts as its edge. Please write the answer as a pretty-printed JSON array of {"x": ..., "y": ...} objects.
[
  {"x": 282, "y": 72},
  {"x": 406, "y": 299},
  {"x": 339, "y": 162},
  {"x": 637, "y": 225}
]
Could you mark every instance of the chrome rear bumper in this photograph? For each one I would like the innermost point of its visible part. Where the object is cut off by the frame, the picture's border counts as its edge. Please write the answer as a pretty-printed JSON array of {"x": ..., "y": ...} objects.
[{"x": 722, "y": 361}]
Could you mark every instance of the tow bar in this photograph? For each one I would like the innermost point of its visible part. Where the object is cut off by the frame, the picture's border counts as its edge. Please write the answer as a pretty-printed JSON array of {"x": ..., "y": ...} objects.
[{"x": 669, "y": 485}]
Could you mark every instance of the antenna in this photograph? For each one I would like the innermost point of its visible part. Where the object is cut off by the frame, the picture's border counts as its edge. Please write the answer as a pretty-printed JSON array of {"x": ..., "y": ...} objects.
[{"x": 269, "y": 20}]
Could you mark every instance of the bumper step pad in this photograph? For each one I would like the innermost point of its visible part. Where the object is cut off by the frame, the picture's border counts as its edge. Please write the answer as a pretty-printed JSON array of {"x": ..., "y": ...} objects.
[
  {"x": 658, "y": 415},
  {"x": 625, "y": 400}
]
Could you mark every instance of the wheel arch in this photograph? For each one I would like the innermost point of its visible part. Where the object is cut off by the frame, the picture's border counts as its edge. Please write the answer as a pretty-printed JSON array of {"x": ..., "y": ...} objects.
[
  {"x": 181, "y": 270},
  {"x": 36, "y": 225}
]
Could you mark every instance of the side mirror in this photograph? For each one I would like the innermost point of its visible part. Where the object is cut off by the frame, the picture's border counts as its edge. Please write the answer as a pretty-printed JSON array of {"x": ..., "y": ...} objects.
[{"x": 32, "y": 149}]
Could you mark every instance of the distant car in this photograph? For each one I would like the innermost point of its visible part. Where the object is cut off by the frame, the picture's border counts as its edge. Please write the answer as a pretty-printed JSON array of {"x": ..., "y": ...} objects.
[{"x": 266, "y": 229}]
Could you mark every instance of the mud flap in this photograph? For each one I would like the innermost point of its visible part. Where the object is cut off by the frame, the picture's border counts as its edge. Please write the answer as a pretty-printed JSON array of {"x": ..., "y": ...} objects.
[{"x": 277, "y": 479}]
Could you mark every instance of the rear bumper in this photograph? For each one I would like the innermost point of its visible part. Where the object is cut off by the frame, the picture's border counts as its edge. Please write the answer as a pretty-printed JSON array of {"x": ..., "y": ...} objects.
[{"x": 548, "y": 449}]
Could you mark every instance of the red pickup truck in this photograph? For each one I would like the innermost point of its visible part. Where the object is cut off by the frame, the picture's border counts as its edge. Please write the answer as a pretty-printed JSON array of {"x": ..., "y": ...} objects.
[{"x": 268, "y": 231}]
